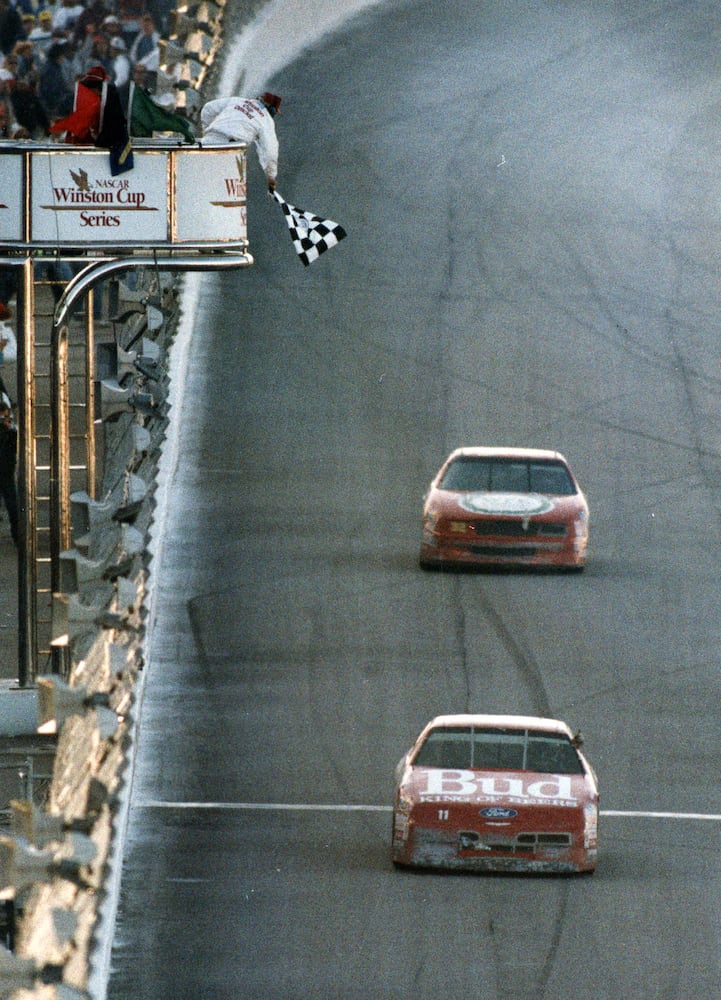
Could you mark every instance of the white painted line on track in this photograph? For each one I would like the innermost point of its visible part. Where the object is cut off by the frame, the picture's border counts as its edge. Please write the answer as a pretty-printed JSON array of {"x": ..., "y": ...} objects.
[
  {"x": 349, "y": 807},
  {"x": 714, "y": 817},
  {"x": 261, "y": 806}
]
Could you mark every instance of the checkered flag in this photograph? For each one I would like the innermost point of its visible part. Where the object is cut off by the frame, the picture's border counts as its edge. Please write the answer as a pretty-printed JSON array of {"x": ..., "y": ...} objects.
[{"x": 311, "y": 235}]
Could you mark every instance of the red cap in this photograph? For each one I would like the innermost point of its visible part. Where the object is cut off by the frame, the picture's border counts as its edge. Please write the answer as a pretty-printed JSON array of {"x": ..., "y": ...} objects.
[
  {"x": 97, "y": 73},
  {"x": 272, "y": 100}
]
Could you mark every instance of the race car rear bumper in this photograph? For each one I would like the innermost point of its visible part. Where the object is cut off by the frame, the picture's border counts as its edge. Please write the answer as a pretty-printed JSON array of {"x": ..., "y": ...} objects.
[
  {"x": 418, "y": 847},
  {"x": 432, "y": 848},
  {"x": 439, "y": 554}
]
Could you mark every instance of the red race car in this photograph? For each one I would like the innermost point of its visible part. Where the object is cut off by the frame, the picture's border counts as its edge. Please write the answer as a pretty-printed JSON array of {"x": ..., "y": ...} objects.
[
  {"x": 499, "y": 506},
  {"x": 496, "y": 793}
]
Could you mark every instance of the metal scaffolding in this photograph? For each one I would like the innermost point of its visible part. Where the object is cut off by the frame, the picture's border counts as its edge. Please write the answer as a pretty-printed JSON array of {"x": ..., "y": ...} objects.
[{"x": 183, "y": 209}]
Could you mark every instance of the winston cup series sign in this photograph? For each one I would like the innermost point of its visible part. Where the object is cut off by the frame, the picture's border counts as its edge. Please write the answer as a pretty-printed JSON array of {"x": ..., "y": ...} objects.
[
  {"x": 76, "y": 200},
  {"x": 171, "y": 197}
]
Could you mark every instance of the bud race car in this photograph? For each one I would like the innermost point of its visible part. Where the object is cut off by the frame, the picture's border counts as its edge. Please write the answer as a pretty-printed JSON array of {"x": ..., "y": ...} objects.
[
  {"x": 496, "y": 793},
  {"x": 496, "y": 506}
]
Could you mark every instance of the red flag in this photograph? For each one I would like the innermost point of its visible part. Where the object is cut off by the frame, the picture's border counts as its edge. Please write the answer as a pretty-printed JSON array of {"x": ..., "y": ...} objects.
[
  {"x": 98, "y": 119},
  {"x": 83, "y": 123}
]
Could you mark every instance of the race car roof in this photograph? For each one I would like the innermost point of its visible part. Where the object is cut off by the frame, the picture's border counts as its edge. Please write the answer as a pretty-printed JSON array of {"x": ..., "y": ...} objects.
[
  {"x": 545, "y": 454},
  {"x": 502, "y": 722}
]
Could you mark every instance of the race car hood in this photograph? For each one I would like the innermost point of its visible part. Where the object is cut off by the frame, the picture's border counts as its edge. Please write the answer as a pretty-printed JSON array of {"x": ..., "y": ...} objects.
[{"x": 497, "y": 504}]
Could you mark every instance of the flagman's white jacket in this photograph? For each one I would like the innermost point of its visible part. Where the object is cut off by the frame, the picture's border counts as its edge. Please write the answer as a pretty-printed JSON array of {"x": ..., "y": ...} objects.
[{"x": 242, "y": 119}]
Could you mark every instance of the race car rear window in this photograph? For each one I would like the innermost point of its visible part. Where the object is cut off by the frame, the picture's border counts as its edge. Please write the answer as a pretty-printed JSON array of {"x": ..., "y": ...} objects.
[
  {"x": 467, "y": 748},
  {"x": 469, "y": 473}
]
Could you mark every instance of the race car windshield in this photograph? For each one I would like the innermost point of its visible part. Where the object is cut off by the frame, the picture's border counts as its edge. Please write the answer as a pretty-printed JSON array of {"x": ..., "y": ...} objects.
[
  {"x": 470, "y": 748},
  {"x": 470, "y": 473}
]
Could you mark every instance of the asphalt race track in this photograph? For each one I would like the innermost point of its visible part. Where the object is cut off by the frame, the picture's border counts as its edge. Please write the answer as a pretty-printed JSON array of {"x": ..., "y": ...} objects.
[{"x": 531, "y": 193}]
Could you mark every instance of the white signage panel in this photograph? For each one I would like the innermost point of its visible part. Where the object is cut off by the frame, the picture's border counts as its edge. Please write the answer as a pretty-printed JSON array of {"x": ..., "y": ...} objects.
[
  {"x": 11, "y": 199},
  {"x": 210, "y": 196},
  {"x": 77, "y": 201}
]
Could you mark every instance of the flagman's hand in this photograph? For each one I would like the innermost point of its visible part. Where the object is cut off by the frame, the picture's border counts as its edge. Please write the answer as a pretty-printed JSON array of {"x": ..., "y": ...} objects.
[{"x": 271, "y": 184}]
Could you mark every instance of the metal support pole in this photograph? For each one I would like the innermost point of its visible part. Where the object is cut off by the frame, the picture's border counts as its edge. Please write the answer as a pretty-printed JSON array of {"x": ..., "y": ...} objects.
[
  {"x": 90, "y": 460},
  {"x": 59, "y": 471},
  {"x": 27, "y": 583}
]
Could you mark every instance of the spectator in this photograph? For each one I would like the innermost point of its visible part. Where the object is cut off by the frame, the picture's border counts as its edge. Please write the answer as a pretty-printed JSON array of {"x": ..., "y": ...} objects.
[
  {"x": 111, "y": 27},
  {"x": 11, "y": 26},
  {"x": 8, "y": 289},
  {"x": 129, "y": 13},
  {"x": 141, "y": 78},
  {"x": 168, "y": 81},
  {"x": 120, "y": 67},
  {"x": 8, "y": 462},
  {"x": 42, "y": 33},
  {"x": 29, "y": 111},
  {"x": 27, "y": 64},
  {"x": 146, "y": 45},
  {"x": 8, "y": 430},
  {"x": 8, "y": 343},
  {"x": 97, "y": 54},
  {"x": 89, "y": 22},
  {"x": 8, "y": 67},
  {"x": 65, "y": 16},
  {"x": 27, "y": 108},
  {"x": 28, "y": 23},
  {"x": 68, "y": 63},
  {"x": 10, "y": 127},
  {"x": 56, "y": 96}
]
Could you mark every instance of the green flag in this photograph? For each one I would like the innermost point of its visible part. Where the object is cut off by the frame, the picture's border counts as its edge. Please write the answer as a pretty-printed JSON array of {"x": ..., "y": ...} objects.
[{"x": 146, "y": 117}]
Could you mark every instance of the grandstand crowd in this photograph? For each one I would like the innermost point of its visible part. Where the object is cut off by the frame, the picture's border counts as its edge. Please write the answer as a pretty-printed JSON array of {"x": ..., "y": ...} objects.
[{"x": 47, "y": 47}]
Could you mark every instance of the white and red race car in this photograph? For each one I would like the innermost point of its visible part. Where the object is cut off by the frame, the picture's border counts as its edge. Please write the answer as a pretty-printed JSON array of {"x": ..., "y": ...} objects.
[
  {"x": 496, "y": 793},
  {"x": 504, "y": 506}
]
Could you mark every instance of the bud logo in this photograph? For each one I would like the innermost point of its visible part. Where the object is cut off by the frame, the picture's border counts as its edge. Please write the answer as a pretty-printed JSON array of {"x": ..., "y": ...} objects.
[{"x": 443, "y": 785}]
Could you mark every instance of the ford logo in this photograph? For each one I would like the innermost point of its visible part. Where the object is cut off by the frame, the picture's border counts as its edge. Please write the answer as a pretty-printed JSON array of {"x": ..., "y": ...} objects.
[{"x": 498, "y": 812}]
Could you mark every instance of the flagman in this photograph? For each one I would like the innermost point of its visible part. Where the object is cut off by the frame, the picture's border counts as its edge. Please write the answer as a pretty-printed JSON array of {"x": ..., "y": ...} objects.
[{"x": 246, "y": 120}]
